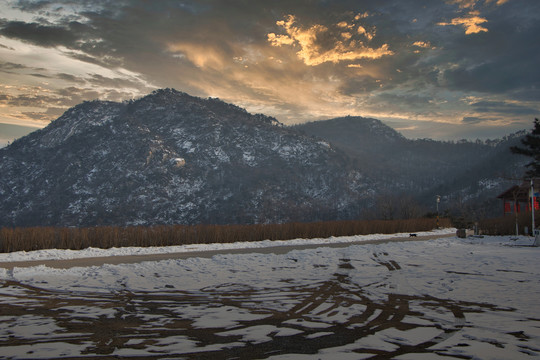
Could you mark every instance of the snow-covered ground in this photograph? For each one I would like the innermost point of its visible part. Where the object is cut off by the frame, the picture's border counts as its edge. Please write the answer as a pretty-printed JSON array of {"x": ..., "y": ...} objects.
[
  {"x": 56, "y": 254},
  {"x": 474, "y": 298}
]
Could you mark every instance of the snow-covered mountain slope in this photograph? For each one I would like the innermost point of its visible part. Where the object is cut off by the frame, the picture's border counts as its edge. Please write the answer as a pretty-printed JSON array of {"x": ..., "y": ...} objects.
[
  {"x": 173, "y": 158},
  {"x": 425, "y": 168}
]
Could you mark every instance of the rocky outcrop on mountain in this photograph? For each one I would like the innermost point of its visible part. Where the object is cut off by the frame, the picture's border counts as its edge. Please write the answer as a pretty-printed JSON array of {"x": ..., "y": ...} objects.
[{"x": 170, "y": 158}]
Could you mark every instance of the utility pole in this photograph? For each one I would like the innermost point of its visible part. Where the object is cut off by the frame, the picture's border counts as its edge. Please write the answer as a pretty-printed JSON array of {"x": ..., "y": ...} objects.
[
  {"x": 438, "y": 201},
  {"x": 532, "y": 203},
  {"x": 536, "y": 237}
]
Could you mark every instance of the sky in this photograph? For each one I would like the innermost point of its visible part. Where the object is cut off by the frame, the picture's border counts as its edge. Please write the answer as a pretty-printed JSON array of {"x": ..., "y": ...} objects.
[{"x": 441, "y": 69}]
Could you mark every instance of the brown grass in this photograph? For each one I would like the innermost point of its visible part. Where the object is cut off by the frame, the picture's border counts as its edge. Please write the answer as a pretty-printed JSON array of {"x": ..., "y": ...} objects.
[
  {"x": 506, "y": 225},
  {"x": 35, "y": 238}
]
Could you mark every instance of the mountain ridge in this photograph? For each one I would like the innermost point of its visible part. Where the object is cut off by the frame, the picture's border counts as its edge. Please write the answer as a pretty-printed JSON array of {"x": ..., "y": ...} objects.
[
  {"x": 427, "y": 168},
  {"x": 170, "y": 157}
]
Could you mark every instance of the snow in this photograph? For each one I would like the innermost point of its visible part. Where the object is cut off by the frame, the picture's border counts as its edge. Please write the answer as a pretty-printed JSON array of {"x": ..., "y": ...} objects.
[
  {"x": 56, "y": 254},
  {"x": 426, "y": 299},
  {"x": 249, "y": 159}
]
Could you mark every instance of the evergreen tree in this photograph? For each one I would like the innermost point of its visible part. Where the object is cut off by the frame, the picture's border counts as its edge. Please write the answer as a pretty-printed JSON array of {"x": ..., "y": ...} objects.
[{"x": 531, "y": 148}]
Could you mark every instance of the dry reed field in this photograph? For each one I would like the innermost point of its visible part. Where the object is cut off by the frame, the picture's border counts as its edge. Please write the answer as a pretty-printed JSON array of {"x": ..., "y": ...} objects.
[
  {"x": 506, "y": 225},
  {"x": 36, "y": 238}
]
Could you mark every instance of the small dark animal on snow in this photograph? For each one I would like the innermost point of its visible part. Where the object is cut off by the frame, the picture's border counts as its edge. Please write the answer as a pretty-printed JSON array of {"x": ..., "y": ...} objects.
[{"x": 412, "y": 235}]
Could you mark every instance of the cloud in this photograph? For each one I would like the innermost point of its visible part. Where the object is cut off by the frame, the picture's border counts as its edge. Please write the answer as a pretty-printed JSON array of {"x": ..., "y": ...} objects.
[
  {"x": 39, "y": 116},
  {"x": 472, "y": 23},
  {"x": 43, "y": 35},
  {"x": 61, "y": 98},
  {"x": 200, "y": 55},
  {"x": 368, "y": 34},
  {"x": 279, "y": 40},
  {"x": 531, "y": 94},
  {"x": 29, "y": 100},
  {"x": 469, "y": 4},
  {"x": 466, "y": 4},
  {"x": 50, "y": 114},
  {"x": 504, "y": 107},
  {"x": 23, "y": 106},
  {"x": 471, "y": 119},
  {"x": 493, "y": 77},
  {"x": 331, "y": 58},
  {"x": 6, "y": 47},
  {"x": 69, "y": 77},
  {"x": 40, "y": 76},
  {"x": 318, "y": 44},
  {"x": 405, "y": 99},
  {"x": 30, "y": 5},
  {"x": 477, "y": 120},
  {"x": 117, "y": 82},
  {"x": 486, "y": 121},
  {"x": 12, "y": 68},
  {"x": 8, "y": 66},
  {"x": 360, "y": 85},
  {"x": 422, "y": 44}
]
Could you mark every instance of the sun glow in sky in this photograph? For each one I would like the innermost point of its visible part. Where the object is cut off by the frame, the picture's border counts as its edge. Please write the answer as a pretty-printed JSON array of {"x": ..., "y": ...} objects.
[{"x": 445, "y": 69}]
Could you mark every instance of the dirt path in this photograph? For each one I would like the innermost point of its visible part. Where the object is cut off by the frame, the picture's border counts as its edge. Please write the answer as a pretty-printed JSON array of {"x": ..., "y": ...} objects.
[{"x": 130, "y": 259}]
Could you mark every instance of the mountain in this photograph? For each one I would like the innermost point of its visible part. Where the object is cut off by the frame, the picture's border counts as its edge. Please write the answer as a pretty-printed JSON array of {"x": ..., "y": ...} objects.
[
  {"x": 173, "y": 158},
  {"x": 468, "y": 175}
]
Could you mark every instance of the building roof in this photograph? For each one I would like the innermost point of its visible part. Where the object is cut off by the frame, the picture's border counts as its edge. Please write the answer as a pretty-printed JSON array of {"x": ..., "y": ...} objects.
[{"x": 520, "y": 192}]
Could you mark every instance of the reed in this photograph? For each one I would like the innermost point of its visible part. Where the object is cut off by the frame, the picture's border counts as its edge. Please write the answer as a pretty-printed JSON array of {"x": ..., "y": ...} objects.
[
  {"x": 506, "y": 225},
  {"x": 36, "y": 238}
]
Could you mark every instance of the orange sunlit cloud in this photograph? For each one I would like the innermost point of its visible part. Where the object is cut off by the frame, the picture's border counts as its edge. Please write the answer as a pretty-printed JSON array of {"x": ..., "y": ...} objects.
[
  {"x": 465, "y": 4},
  {"x": 312, "y": 53},
  {"x": 471, "y": 23},
  {"x": 470, "y": 4},
  {"x": 422, "y": 44},
  {"x": 387, "y": 60},
  {"x": 362, "y": 31},
  {"x": 200, "y": 55}
]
